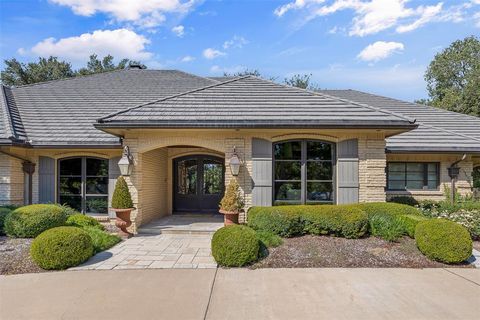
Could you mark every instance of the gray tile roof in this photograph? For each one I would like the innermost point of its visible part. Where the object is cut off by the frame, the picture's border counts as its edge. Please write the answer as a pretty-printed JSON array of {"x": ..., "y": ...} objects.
[
  {"x": 254, "y": 102},
  {"x": 439, "y": 130},
  {"x": 63, "y": 112}
]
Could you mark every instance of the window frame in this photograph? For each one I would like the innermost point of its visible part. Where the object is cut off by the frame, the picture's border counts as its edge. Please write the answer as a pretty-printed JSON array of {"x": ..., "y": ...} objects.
[
  {"x": 424, "y": 172},
  {"x": 83, "y": 178},
  {"x": 303, "y": 173}
]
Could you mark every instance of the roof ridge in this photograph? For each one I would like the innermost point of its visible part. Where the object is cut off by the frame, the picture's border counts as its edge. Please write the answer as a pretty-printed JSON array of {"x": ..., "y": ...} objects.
[
  {"x": 7, "y": 117},
  {"x": 411, "y": 120},
  {"x": 102, "y": 119}
]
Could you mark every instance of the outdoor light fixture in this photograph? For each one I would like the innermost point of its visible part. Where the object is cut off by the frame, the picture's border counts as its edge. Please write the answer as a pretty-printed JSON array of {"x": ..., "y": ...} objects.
[
  {"x": 453, "y": 172},
  {"x": 235, "y": 163},
  {"x": 126, "y": 162}
]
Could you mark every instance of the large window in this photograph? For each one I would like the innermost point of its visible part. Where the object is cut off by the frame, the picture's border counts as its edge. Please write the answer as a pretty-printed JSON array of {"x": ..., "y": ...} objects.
[
  {"x": 413, "y": 175},
  {"x": 303, "y": 172},
  {"x": 83, "y": 184}
]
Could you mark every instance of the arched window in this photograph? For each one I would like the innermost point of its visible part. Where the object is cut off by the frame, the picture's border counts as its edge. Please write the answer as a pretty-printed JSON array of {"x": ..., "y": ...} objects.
[
  {"x": 83, "y": 184},
  {"x": 303, "y": 172}
]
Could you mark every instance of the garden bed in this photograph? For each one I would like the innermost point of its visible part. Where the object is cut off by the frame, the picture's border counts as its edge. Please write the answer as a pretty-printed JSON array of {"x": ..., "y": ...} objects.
[
  {"x": 333, "y": 252},
  {"x": 15, "y": 256}
]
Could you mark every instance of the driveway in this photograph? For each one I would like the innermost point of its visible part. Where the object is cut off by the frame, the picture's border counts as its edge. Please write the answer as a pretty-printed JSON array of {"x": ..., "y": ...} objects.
[{"x": 243, "y": 294}]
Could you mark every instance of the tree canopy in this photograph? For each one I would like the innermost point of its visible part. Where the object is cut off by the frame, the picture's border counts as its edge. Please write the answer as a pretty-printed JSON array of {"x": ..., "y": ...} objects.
[
  {"x": 453, "y": 77},
  {"x": 17, "y": 73}
]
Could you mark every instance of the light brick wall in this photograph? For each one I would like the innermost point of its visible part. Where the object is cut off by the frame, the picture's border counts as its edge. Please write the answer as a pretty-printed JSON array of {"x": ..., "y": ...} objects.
[
  {"x": 464, "y": 182},
  {"x": 372, "y": 162},
  {"x": 11, "y": 180}
]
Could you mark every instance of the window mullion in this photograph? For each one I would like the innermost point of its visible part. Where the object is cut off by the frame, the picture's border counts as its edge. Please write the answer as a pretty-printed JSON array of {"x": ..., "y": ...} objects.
[
  {"x": 303, "y": 172},
  {"x": 83, "y": 184}
]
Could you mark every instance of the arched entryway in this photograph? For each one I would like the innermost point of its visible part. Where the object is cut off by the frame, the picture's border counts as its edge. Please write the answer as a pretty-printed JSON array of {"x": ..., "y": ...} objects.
[{"x": 198, "y": 183}]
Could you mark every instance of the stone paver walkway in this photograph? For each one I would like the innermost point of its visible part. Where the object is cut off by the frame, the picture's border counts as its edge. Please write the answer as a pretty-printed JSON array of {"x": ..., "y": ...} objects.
[{"x": 155, "y": 252}]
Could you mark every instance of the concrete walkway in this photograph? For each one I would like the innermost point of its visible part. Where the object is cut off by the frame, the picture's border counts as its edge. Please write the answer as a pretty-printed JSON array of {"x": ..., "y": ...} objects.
[{"x": 243, "y": 294}]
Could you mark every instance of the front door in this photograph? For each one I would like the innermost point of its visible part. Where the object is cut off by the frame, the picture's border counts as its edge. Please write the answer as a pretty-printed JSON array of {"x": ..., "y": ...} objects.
[{"x": 198, "y": 184}]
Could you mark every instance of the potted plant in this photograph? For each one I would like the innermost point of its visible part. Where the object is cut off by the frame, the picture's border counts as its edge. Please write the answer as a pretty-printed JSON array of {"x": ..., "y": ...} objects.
[
  {"x": 231, "y": 204},
  {"x": 122, "y": 204}
]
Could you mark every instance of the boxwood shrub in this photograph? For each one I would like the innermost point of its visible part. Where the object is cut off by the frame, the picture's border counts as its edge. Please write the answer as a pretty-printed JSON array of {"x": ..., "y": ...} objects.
[
  {"x": 443, "y": 240},
  {"x": 285, "y": 221},
  {"x": 269, "y": 239},
  {"x": 30, "y": 221},
  {"x": 235, "y": 246},
  {"x": 3, "y": 215},
  {"x": 60, "y": 248},
  {"x": 101, "y": 240},
  {"x": 372, "y": 208},
  {"x": 410, "y": 222},
  {"x": 82, "y": 220}
]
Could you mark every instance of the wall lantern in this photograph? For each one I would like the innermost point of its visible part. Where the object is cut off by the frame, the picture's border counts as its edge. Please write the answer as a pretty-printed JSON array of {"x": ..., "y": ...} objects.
[
  {"x": 126, "y": 162},
  {"x": 453, "y": 172},
  {"x": 235, "y": 163}
]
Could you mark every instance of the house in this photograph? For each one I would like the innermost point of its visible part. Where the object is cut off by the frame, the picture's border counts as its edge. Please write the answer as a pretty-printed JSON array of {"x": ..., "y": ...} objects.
[{"x": 61, "y": 141}]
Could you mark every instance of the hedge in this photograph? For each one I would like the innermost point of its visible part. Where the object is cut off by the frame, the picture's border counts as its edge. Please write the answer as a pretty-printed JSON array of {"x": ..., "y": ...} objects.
[
  {"x": 3, "y": 215},
  {"x": 372, "y": 208},
  {"x": 410, "y": 222},
  {"x": 285, "y": 221},
  {"x": 235, "y": 246},
  {"x": 82, "y": 220},
  {"x": 443, "y": 240},
  {"x": 60, "y": 248},
  {"x": 30, "y": 221}
]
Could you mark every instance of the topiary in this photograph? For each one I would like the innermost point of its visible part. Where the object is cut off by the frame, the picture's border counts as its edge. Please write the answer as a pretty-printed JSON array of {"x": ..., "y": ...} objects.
[
  {"x": 443, "y": 240},
  {"x": 82, "y": 220},
  {"x": 121, "y": 198},
  {"x": 3, "y": 215},
  {"x": 235, "y": 246},
  {"x": 410, "y": 222},
  {"x": 30, "y": 221},
  {"x": 232, "y": 200},
  {"x": 101, "y": 240},
  {"x": 60, "y": 248}
]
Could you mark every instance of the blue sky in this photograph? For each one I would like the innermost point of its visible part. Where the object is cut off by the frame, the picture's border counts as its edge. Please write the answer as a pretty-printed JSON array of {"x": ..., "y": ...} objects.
[{"x": 379, "y": 46}]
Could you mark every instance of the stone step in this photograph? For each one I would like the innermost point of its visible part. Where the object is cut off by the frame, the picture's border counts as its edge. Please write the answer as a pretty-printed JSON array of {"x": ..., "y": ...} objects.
[
  {"x": 175, "y": 231},
  {"x": 184, "y": 224}
]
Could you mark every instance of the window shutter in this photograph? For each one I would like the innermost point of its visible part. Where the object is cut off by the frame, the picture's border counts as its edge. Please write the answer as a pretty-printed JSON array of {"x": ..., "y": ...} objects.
[
  {"x": 347, "y": 168},
  {"x": 113, "y": 174},
  {"x": 261, "y": 172},
  {"x": 46, "y": 180}
]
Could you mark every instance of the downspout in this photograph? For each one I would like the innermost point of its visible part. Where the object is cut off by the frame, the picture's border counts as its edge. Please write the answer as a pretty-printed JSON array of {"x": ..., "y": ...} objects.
[
  {"x": 28, "y": 168},
  {"x": 453, "y": 172}
]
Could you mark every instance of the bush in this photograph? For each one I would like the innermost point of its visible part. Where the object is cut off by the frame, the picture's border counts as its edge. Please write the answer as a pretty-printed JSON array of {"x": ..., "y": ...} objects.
[
  {"x": 269, "y": 239},
  {"x": 373, "y": 208},
  {"x": 443, "y": 240},
  {"x": 410, "y": 201},
  {"x": 30, "y": 221},
  {"x": 60, "y": 248},
  {"x": 81, "y": 220},
  {"x": 121, "y": 199},
  {"x": 101, "y": 240},
  {"x": 386, "y": 226},
  {"x": 340, "y": 220},
  {"x": 232, "y": 200},
  {"x": 3, "y": 215},
  {"x": 235, "y": 246},
  {"x": 67, "y": 210},
  {"x": 285, "y": 221},
  {"x": 10, "y": 207},
  {"x": 410, "y": 222}
]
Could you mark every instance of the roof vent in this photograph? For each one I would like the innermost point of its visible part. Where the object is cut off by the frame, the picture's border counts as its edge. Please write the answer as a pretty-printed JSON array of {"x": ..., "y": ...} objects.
[{"x": 138, "y": 66}]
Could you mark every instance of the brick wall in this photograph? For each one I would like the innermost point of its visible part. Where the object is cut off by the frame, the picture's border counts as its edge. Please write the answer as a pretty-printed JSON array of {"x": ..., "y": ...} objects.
[{"x": 11, "y": 180}]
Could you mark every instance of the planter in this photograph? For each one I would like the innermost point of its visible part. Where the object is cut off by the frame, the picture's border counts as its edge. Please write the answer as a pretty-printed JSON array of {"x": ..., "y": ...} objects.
[
  {"x": 123, "y": 221},
  {"x": 229, "y": 218}
]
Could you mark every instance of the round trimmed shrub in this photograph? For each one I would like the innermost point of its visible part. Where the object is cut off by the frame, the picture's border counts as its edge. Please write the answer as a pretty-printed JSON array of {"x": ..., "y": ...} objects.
[
  {"x": 60, "y": 248},
  {"x": 443, "y": 240},
  {"x": 82, "y": 220},
  {"x": 235, "y": 246},
  {"x": 3, "y": 215},
  {"x": 30, "y": 221}
]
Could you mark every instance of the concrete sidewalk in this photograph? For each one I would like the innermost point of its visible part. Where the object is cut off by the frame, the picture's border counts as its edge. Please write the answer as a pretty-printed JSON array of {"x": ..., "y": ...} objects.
[{"x": 243, "y": 294}]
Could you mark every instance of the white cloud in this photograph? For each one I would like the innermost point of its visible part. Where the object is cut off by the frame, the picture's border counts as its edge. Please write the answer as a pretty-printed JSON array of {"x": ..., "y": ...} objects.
[
  {"x": 22, "y": 51},
  {"x": 211, "y": 53},
  {"x": 120, "y": 43},
  {"x": 145, "y": 13},
  {"x": 369, "y": 16},
  {"x": 235, "y": 42},
  {"x": 476, "y": 16},
  {"x": 179, "y": 31},
  {"x": 380, "y": 50},
  {"x": 187, "y": 59}
]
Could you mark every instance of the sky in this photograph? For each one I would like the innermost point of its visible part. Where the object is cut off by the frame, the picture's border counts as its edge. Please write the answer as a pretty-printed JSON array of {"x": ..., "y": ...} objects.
[{"x": 378, "y": 46}]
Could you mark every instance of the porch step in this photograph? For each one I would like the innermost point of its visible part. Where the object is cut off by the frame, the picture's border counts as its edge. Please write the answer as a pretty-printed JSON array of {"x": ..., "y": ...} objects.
[{"x": 184, "y": 224}]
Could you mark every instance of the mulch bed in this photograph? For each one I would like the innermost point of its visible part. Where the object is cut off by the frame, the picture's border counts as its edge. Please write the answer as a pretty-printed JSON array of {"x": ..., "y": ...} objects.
[
  {"x": 15, "y": 256},
  {"x": 330, "y": 252}
]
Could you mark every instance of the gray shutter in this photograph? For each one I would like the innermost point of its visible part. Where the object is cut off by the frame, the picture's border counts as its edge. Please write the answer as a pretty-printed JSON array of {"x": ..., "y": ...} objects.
[
  {"x": 261, "y": 172},
  {"x": 347, "y": 168},
  {"x": 46, "y": 180},
  {"x": 113, "y": 174}
]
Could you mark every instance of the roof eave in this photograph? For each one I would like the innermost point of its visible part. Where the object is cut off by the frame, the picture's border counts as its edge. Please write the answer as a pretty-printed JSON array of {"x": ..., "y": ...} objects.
[{"x": 436, "y": 150}]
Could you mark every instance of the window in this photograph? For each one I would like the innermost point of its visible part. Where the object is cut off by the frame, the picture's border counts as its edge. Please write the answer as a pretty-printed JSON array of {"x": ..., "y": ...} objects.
[
  {"x": 303, "y": 172},
  {"x": 413, "y": 176},
  {"x": 83, "y": 184}
]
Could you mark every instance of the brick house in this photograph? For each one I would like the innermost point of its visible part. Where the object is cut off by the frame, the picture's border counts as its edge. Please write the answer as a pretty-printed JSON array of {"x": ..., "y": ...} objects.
[{"x": 61, "y": 141}]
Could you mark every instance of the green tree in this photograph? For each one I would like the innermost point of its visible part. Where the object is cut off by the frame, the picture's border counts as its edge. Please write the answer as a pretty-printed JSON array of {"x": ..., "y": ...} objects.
[
  {"x": 95, "y": 65},
  {"x": 302, "y": 81},
  {"x": 246, "y": 72},
  {"x": 453, "y": 77}
]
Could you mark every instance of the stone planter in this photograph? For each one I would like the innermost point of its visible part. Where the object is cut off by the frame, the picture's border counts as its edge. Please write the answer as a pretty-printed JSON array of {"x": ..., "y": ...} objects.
[
  {"x": 229, "y": 218},
  {"x": 123, "y": 221}
]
